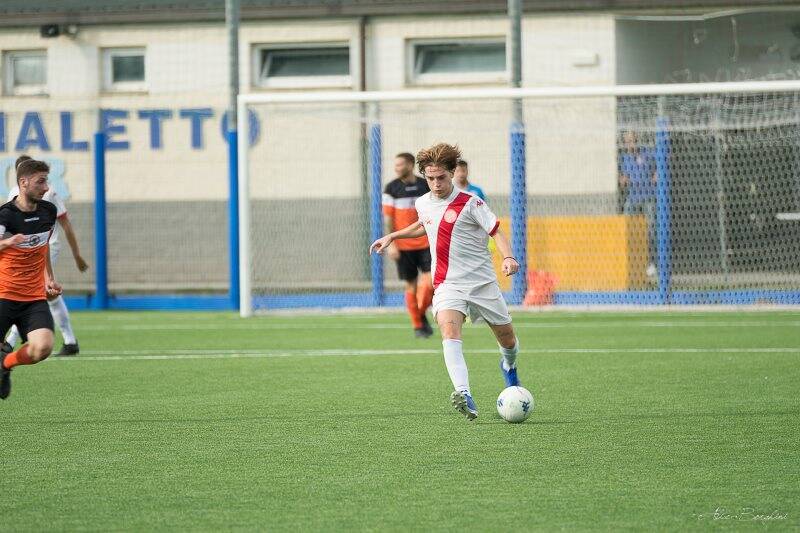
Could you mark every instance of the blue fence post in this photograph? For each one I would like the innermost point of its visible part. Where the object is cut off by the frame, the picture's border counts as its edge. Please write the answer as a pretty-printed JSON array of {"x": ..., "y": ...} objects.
[
  {"x": 518, "y": 208},
  {"x": 233, "y": 217},
  {"x": 663, "y": 211},
  {"x": 375, "y": 211},
  {"x": 100, "y": 300}
]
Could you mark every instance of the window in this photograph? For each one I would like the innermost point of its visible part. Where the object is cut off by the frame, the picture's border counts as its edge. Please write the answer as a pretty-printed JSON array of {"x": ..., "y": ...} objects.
[
  {"x": 124, "y": 69},
  {"x": 278, "y": 66},
  {"x": 461, "y": 61},
  {"x": 26, "y": 72}
]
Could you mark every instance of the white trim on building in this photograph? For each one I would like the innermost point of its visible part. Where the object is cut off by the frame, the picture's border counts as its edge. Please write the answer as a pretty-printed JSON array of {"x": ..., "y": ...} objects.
[
  {"x": 25, "y": 72},
  {"x": 307, "y": 65},
  {"x": 124, "y": 69},
  {"x": 449, "y": 61}
]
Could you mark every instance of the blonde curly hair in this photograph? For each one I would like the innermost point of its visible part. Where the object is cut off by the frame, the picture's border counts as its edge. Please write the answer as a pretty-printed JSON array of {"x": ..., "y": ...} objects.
[{"x": 439, "y": 155}]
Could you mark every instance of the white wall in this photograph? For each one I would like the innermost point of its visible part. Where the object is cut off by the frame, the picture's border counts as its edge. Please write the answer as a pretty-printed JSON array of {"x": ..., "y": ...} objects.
[
  {"x": 388, "y": 38},
  {"x": 573, "y": 141},
  {"x": 552, "y": 45},
  {"x": 186, "y": 67},
  {"x": 555, "y": 46}
]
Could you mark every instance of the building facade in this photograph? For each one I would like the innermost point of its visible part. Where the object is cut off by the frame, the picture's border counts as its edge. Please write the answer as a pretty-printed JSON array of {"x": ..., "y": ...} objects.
[{"x": 155, "y": 79}]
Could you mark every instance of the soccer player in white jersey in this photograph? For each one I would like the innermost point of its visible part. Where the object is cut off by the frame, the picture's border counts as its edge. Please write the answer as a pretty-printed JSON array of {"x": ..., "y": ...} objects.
[
  {"x": 458, "y": 226},
  {"x": 57, "y": 306}
]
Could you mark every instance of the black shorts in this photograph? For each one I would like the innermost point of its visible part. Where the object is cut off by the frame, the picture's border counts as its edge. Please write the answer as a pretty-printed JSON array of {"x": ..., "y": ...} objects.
[
  {"x": 411, "y": 262},
  {"x": 27, "y": 316}
]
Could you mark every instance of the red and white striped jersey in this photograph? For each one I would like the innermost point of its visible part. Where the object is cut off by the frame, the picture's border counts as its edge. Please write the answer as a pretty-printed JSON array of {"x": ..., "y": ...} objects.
[{"x": 458, "y": 229}]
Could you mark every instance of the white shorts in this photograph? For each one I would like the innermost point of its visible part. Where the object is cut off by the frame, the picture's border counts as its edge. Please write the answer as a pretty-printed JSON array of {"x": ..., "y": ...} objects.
[{"x": 483, "y": 302}]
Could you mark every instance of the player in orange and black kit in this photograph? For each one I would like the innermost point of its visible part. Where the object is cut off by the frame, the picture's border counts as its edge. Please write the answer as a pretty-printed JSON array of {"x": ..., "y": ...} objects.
[
  {"x": 26, "y": 275},
  {"x": 413, "y": 256}
]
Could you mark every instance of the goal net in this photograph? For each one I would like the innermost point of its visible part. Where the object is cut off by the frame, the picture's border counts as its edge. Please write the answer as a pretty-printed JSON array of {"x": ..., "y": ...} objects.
[{"x": 620, "y": 195}]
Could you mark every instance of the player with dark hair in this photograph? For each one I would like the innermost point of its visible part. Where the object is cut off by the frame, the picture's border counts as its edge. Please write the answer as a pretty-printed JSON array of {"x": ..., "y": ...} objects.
[
  {"x": 58, "y": 308},
  {"x": 461, "y": 179},
  {"x": 26, "y": 275},
  {"x": 458, "y": 226},
  {"x": 412, "y": 256}
]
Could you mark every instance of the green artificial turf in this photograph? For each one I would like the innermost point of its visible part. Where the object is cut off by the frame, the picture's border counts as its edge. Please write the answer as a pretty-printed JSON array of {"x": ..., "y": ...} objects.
[{"x": 204, "y": 421}]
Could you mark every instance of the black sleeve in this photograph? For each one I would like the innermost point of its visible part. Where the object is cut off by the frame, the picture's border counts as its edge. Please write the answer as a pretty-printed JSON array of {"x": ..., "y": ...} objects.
[
  {"x": 52, "y": 210},
  {"x": 5, "y": 221}
]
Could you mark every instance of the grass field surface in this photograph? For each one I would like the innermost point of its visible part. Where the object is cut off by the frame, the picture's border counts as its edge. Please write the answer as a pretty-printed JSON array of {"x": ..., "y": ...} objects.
[{"x": 204, "y": 421}]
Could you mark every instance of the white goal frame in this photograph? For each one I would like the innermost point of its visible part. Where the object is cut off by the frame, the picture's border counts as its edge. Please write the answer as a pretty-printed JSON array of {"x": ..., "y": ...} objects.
[{"x": 316, "y": 97}]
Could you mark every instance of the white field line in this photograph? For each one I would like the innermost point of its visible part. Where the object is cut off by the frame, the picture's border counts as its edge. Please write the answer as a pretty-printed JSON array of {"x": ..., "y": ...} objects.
[
  {"x": 247, "y": 325},
  {"x": 559, "y": 310},
  {"x": 150, "y": 355},
  {"x": 372, "y": 313}
]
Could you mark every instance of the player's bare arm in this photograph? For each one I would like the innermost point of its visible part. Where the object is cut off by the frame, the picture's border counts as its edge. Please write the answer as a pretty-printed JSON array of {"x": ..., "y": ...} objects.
[
  {"x": 52, "y": 287},
  {"x": 409, "y": 232},
  {"x": 19, "y": 238},
  {"x": 72, "y": 240},
  {"x": 510, "y": 264},
  {"x": 388, "y": 225}
]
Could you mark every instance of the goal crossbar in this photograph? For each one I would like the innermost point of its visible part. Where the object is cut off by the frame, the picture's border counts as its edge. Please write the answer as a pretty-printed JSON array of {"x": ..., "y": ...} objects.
[
  {"x": 512, "y": 93},
  {"x": 311, "y": 97}
]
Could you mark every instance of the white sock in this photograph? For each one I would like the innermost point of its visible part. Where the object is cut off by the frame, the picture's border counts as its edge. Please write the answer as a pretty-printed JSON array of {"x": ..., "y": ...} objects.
[
  {"x": 456, "y": 366},
  {"x": 60, "y": 314},
  {"x": 510, "y": 355},
  {"x": 13, "y": 336}
]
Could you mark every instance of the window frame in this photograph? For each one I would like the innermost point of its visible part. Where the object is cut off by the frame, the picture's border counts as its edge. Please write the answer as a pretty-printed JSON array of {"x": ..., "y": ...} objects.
[
  {"x": 300, "y": 82},
  {"x": 10, "y": 89},
  {"x": 413, "y": 77},
  {"x": 108, "y": 54}
]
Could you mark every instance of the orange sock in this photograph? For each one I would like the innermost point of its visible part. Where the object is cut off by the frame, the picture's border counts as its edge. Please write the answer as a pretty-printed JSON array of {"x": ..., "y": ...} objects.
[
  {"x": 413, "y": 310},
  {"x": 20, "y": 357},
  {"x": 424, "y": 298}
]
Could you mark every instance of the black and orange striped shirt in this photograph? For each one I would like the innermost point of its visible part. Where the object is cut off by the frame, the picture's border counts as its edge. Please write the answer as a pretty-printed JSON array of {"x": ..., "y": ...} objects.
[
  {"x": 22, "y": 266},
  {"x": 398, "y": 203}
]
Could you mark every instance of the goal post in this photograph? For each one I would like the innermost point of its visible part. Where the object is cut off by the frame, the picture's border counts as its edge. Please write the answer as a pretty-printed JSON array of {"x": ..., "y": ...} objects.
[{"x": 712, "y": 224}]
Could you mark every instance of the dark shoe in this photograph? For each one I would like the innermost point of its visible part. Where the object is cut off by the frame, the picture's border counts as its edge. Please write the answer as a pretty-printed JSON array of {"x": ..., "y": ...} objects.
[
  {"x": 427, "y": 325},
  {"x": 6, "y": 348},
  {"x": 5, "y": 375},
  {"x": 421, "y": 333},
  {"x": 69, "y": 349}
]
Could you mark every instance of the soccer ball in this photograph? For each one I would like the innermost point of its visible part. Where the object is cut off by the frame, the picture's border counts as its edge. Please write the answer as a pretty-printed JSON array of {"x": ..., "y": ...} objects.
[{"x": 515, "y": 404}]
